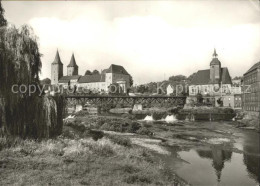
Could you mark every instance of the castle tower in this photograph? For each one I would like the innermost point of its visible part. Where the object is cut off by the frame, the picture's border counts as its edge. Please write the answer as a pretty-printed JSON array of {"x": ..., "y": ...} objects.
[
  {"x": 72, "y": 68},
  {"x": 215, "y": 69},
  {"x": 56, "y": 69}
]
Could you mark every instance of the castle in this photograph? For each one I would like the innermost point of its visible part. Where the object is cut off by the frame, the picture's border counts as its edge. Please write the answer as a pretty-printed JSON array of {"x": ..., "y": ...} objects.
[{"x": 98, "y": 82}]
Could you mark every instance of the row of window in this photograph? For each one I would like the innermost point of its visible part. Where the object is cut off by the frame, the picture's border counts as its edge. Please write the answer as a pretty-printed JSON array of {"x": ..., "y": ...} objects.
[
  {"x": 255, "y": 87},
  {"x": 237, "y": 105},
  {"x": 250, "y": 79},
  {"x": 251, "y": 108},
  {"x": 253, "y": 97}
]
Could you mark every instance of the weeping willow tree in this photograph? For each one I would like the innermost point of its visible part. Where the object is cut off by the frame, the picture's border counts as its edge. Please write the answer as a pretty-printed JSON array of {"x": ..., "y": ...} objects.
[
  {"x": 2, "y": 19},
  {"x": 24, "y": 114}
]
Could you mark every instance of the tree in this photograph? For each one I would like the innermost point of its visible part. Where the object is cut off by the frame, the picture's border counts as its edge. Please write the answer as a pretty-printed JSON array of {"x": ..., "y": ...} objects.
[
  {"x": 191, "y": 77},
  {"x": 3, "y": 21},
  {"x": 177, "y": 78},
  {"x": 46, "y": 81},
  {"x": 24, "y": 114},
  {"x": 237, "y": 78},
  {"x": 131, "y": 81},
  {"x": 95, "y": 72},
  {"x": 88, "y": 72},
  {"x": 199, "y": 98},
  {"x": 142, "y": 89}
]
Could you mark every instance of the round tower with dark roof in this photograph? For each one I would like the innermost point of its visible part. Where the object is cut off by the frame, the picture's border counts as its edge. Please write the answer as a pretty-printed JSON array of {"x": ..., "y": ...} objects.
[
  {"x": 72, "y": 68},
  {"x": 215, "y": 68},
  {"x": 56, "y": 69}
]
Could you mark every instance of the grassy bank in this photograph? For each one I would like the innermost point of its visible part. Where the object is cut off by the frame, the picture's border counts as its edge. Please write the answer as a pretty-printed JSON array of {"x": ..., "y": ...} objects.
[
  {"x": 79, "y": 162},
  {"x": 74, "y": 158}
]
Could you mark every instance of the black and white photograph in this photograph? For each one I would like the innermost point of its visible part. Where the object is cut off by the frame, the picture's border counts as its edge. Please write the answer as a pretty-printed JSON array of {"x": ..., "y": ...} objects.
[{"x": 130, "y": 92}]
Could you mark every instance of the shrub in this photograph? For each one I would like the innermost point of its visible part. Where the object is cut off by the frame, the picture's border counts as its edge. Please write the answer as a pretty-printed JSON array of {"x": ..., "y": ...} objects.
[
  {"x": 67, "y": 133},
  {"x": 102, "y": 150},
  {"x": 144, "y": 131},
  {"x": 138, "y": 178},
  {"x": 133, "y": 127},
  {"x": 81, "y": 113},
  {"x": 77, "y": 126},
  {"x": 95, "y": 134},
  {"x": 128, "y": 116},
  {"x": 228, "y": 111},
  {"x": 120, "y": 140},
  {"x": 129, "y": 168},
  {"x": 7, "y": 142}
]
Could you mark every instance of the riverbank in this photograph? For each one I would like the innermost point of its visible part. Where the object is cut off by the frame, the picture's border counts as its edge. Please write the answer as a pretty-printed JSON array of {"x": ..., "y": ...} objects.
[
  {"x": 80, "y": 162},
  {"x": 167, "y": 141},
  {"x": 120, "y": 150},
  {"x": 83, "y": 155}
]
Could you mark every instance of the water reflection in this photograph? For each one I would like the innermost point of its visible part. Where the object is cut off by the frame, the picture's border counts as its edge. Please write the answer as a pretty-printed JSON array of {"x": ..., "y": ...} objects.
[
  {"x": 252, "y": 164},
  {"x": 218, "y": 156},
  {"x": 218, "y": 165},
  {"x": 251, "y": 155}
]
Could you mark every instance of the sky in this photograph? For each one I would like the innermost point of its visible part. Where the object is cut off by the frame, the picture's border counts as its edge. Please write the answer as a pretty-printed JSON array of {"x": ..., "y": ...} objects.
[{"x": 153, "y": 40}]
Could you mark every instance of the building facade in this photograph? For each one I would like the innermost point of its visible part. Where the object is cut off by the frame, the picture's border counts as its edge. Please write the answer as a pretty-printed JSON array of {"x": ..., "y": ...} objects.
[
  {"x": 251, "y": 89},
  {"x": 100, "y": 82},
  {"x": 238, "y": 101},
  {"x": 214, "y": 83}
]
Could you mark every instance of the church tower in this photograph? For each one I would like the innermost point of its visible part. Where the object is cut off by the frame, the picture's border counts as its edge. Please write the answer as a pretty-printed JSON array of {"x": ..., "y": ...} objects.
[
  {"x": 56, "y": 69},
  {"x": 72, "y": 68},
  {"x": 215, "y": 69}
]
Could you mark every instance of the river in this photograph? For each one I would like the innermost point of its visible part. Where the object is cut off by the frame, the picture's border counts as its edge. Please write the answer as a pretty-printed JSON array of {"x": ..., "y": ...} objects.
[{"x": 231, "y": 156}]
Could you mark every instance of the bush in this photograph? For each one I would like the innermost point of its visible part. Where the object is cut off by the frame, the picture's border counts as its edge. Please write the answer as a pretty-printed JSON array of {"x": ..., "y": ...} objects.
[
  {"x": 120, "y": 140},
  {"x": 144, "y": 131},
  {"x": 133, "y": 127},
  {"x": 81, "y": 113},
  {"x": 77, "y": 126},
  {"x": 102, "y": 150},
  {"x": 138, "y": 178},
  {"x": 8, "y": 142},
  {"x": 228, "y": 111},
  {"x": 128, "y": 116}
]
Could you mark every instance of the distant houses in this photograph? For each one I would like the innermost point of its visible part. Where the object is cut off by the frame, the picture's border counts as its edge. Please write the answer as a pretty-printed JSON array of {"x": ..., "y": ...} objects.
[{"x": 98, "y": 82}]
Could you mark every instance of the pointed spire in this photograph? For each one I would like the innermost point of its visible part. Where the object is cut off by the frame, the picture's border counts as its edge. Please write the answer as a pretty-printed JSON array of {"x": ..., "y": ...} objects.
[
  {"x": 57, "y": 58},
  {"x": 215, "y": 55},
  {"x": 72, "y": 61}
]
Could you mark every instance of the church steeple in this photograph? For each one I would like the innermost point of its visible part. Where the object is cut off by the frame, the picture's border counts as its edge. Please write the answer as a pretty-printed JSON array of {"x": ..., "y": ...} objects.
[
  {"x": 215, "y": 55},
  {"x": 56, "y": 69},
  {"x": 57, "y": 58},
  {"x": 72, "y": 61},
  {"x": 72, "y": 68},
  {"x": 215, "y": 69}
]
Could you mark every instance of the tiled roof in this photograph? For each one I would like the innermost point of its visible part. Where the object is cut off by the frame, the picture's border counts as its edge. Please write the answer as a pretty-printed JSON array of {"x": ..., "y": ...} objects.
[
  {"x": 66, "y": 79},
  {"x": 202, "y": 77},
  {"x": 117, "y": 69},
  {"x": 57, "y": 59},
  {"x": 92, "y": 78},
  {"x": 225, "y": 77},
  {"x": 254, "y": 67},
  {"x": 72, "y": 62}
]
